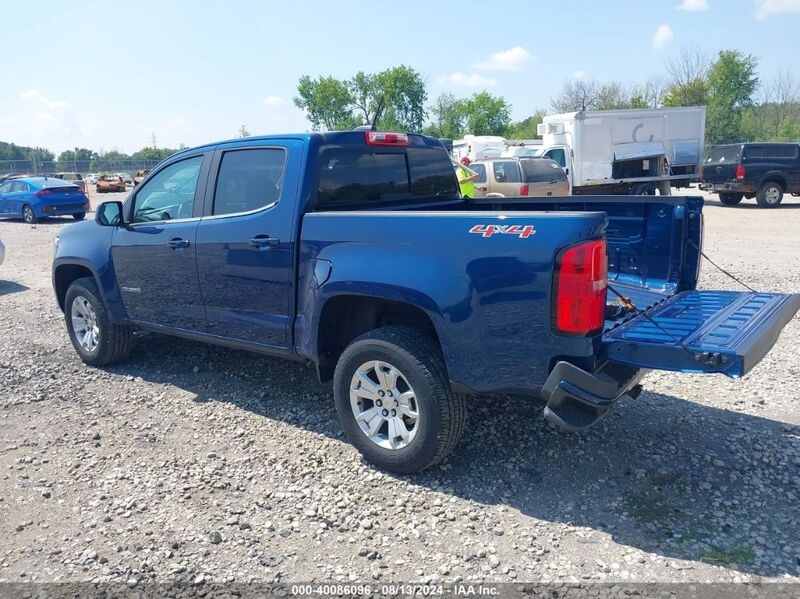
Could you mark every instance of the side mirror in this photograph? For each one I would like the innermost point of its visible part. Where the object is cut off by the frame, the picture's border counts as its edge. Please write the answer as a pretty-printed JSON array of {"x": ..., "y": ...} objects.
[{"x": 109, "y": 214}]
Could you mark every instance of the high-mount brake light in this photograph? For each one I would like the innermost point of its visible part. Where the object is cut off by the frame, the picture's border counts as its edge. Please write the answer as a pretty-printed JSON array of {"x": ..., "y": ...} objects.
[
  {"x": 381, "y": 138},
  {"x": 581, "y": 282},
  {"x": 740, "y": 172}
]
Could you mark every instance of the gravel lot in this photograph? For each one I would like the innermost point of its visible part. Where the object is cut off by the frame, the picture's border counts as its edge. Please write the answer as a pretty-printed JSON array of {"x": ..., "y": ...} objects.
[{"x": 197, "y": 463}]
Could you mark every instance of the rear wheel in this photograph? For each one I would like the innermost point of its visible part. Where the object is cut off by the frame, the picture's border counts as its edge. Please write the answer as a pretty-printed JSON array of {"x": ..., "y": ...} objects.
[
  {"x": 730, "y": 199},
  {"x": 770, "y": 195},
  {"x": 97, "y": 340},
  {"x": 79, "y": 215},
  {"x": 28, "y": 215},
  {"x": 394, "y": 400}
]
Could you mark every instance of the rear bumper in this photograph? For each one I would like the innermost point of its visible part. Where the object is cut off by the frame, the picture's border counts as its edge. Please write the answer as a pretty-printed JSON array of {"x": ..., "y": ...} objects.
[
  {"x": 728, "y": 187},
  {"x": 576, "y": 399},
  {"x": 61, "y": 209}
]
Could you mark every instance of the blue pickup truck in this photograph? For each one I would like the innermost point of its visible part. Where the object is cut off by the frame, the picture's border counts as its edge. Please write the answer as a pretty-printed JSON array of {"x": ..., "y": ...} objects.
[{"x": 354, "y": 251}]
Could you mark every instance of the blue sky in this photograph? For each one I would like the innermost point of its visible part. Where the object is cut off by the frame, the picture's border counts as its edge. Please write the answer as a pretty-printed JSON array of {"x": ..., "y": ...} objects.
[{"x": 107, "y": 75}]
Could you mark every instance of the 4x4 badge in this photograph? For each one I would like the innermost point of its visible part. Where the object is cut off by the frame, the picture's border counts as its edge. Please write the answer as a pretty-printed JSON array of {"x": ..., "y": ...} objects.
[{"x": 521, "y": 231}]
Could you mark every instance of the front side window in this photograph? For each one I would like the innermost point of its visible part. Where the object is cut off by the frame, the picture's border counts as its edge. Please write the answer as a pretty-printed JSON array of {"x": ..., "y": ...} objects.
[
  {"x": 559, "y": 156},
  {"x": 506, "y": 172},
  {"x": 249, "y": 180},
  {"x": 5, "y": 187},
  {"x": 169, "y": 195}
]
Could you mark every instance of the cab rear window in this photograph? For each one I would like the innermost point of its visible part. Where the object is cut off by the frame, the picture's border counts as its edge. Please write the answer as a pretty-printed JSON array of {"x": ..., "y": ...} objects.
[{"x": 357, "y": 176}]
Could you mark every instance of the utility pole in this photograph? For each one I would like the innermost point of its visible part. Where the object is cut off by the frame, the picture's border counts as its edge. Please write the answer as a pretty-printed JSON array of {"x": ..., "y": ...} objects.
[{"x": 153, "y": 138}]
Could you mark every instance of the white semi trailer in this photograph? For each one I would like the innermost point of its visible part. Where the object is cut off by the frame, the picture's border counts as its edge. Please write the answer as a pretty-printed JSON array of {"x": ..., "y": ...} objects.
[{"x": 626, "y": 151}]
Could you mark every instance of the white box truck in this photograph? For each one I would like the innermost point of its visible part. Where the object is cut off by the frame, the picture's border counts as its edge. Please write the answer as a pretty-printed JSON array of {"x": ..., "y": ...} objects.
[{"x": 637, "y": 152}]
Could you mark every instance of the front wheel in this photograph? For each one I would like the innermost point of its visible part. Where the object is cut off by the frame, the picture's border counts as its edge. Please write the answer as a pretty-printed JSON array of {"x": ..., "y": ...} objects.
[
  {"x": 28, "y": 215},
  {"x": 770, "y": 195},
  {"x": 394, "y": 400},
  {"x": 79, "y": 215},
  {"x": 730, "y": 199},
  {"x": 97, "y": 340}
]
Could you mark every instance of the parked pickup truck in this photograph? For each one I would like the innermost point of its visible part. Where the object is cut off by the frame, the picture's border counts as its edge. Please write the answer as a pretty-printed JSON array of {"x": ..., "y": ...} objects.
[
  {"x": 754, "y": 170},
  {"x": 355, "y": 252}
]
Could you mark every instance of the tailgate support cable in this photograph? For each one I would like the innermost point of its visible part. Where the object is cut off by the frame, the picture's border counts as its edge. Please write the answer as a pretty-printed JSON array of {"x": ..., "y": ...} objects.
[
  {"x": 718, "y": 267},
  {"x": 705, "y": 357}
]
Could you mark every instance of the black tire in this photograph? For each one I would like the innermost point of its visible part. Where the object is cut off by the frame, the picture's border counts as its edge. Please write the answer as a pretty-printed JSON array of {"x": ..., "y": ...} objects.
[
  {"x": 730, "y": 199},
  {"x": 79, "y": 215},
  {"x": 770, "y": 194},
  {"x": 28, "y": 215},
  {"x": 114, "y": 341},
  {"x": 442, "y": 412}
]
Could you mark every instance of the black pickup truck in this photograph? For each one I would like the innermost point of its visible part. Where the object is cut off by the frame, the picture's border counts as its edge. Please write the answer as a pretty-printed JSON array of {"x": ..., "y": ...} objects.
[{"x": 764, "y": 171}]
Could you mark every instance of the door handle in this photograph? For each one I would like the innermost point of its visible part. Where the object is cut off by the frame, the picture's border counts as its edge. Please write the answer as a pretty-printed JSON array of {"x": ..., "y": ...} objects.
[
  {"x": 178, "y": 243},
  {"x": 264, "y": 241}
]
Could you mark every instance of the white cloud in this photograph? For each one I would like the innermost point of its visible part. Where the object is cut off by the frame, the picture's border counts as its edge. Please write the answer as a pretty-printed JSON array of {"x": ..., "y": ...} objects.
[
  {"x": 463, "y": 80},
  {"x": 767, "y": 8},
  {"x": 274, "y": 101},
  {"x": 693, "y": 5},
  {"x": 662, "y": 36},
  {"x": 35, "y": 94},
  {"x": 509, "y": 60},
  {"x": 580, "y": 74}
]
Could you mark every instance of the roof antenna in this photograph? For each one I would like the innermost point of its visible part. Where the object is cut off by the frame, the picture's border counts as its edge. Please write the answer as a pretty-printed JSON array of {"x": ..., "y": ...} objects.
[{"x": 378, "y": 111}]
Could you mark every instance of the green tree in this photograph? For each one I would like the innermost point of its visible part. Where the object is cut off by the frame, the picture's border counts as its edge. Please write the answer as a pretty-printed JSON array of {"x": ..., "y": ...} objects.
[
  {"x": 732, "y": 81},
  {"x": 487, "y": 114},
  {"x": 692, "y": 93},
  {"x": 243, "y": 132},
  {"x": 526, "y": 128},
  {"x": 151, "y": 154},
  {"x": 449, "y": 117},
  {"x": 326, "y": 101},
  {"x": 404, "y": 95}
]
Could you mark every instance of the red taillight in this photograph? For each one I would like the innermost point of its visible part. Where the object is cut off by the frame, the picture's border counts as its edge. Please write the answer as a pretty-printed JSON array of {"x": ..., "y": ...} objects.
[
  {"x": 379, "y": 138},
  {"x": 523, "y": 190},
  {"x": 581, "y": 288},
  {"x": 740, "y": 172},
  {"x": 43, "y": 192}
]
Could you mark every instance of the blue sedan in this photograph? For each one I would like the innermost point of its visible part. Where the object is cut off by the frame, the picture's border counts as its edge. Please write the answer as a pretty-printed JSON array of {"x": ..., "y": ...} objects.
[{"x": 32, "y": 198}]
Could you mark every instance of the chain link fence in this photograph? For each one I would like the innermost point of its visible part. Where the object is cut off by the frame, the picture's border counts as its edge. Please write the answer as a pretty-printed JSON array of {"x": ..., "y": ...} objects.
[{"x": 98, "y": 165}]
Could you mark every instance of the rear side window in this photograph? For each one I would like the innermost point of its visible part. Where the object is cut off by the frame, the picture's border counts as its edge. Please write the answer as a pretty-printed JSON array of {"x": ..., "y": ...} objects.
[
  {"x": 751, "y": 152},
  {"x": 249, "y": 180},
  {"x": 481, "y": 170},
  {"x": 536, "y": 170},
  {"x": 351, "y": 176},
  {"x": 19, "y": 186},
  {"x": 506, "y": 172},
  {"x": 724, "y": 154},
  {"x": 780, "y": 151}
]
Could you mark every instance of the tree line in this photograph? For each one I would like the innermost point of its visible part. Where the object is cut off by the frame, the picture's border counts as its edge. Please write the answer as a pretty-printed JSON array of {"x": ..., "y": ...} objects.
[
  {"x": 740, "y": 106},
  {"x": 24, "y": 158}
]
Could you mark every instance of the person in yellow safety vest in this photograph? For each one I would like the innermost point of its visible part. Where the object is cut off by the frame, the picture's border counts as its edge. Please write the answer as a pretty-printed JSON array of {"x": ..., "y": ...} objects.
[{"x": 466, "y": 177}]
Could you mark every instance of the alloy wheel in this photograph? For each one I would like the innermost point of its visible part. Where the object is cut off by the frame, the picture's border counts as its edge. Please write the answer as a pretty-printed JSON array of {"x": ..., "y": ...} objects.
[
  {"x": 384, "y": 405},
  {"x": 84, "y": 323}
]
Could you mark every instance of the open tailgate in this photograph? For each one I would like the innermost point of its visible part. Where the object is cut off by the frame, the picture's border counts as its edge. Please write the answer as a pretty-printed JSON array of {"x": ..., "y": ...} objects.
[{"x": 723, "y": 331}]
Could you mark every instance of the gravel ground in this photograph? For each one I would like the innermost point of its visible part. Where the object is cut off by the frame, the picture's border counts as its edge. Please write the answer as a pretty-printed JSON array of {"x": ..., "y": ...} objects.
[{"x": 197, "y": 463}]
